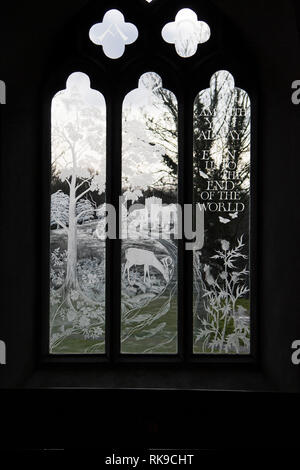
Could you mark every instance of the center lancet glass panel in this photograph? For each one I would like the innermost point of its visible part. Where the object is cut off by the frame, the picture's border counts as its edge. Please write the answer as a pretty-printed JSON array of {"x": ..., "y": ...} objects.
[
  {"x": 149, "y": 219},
  {"x": 77, "y": 262}
]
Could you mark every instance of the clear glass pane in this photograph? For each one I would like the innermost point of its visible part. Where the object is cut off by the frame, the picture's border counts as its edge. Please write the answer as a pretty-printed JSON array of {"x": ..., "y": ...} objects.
[
  {"x": 222, "y": 188},
  {"x": 77, "y": 264},
  {"x": 149, "y": 219}
]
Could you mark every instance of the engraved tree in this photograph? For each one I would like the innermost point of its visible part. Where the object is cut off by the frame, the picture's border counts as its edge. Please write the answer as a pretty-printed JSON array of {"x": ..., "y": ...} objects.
[{"x": 78, "y": 139}]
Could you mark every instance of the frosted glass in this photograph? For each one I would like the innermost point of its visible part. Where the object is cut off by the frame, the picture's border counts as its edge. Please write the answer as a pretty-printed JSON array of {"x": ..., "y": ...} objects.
[
  {"x": 221, "y": 176},
  {"x": 77, "y": 262},
  {"x": 149, "y": 249},
  {"x": 113, "y": 34},
  {"x": 186, "y": 32}
]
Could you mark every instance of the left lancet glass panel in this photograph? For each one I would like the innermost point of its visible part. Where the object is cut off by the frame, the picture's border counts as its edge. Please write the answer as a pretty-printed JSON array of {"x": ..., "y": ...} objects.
[
  {"x": 149, "y": 219},
  {"x": 77, "y": 243}
]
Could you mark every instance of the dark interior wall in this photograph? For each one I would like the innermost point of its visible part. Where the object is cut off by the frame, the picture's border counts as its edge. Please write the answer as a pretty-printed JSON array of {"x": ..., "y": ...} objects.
[
  {"x": 28, "y": 38},
  {"x": 270, "y": 29}
]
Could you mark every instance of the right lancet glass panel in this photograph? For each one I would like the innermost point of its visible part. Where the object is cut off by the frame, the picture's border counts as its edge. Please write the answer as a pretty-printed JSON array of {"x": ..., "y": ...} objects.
[{"x": 221, "y": 183}]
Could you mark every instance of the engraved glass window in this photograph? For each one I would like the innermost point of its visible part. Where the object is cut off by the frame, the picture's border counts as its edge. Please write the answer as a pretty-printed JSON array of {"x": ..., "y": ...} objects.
[
  {"x": 113, "y": 34},
  {"x": 143, "y": 292},
  {"x": 77, "y": 253},
  {"x": 149, "y": 219},
  {"x": 221, "y": 186}
]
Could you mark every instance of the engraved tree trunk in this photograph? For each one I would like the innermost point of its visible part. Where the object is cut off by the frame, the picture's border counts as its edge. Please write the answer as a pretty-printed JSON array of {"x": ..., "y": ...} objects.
[{"x": 71, "y": 277}]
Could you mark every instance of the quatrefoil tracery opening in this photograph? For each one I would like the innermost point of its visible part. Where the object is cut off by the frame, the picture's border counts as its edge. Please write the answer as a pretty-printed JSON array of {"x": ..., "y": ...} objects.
[{"x": 113, "y": 34}]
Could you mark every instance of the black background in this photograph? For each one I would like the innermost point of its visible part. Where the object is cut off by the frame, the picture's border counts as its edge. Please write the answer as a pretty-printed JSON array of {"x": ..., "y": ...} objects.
[{"x": 256, "y": 407}]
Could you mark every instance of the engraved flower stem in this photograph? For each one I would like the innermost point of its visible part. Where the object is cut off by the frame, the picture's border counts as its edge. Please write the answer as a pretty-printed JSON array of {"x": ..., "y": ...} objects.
[{"x": 226, "y": 301}]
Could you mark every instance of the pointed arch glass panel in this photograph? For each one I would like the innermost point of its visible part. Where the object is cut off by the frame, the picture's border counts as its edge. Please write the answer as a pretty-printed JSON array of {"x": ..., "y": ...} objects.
[
  {"x": 77, "y": 249},
  {"x": 149, "y": 219}
]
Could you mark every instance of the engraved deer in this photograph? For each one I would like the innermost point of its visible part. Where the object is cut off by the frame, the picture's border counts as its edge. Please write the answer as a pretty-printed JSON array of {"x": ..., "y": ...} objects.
[{"x": 138, "y": 256}]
